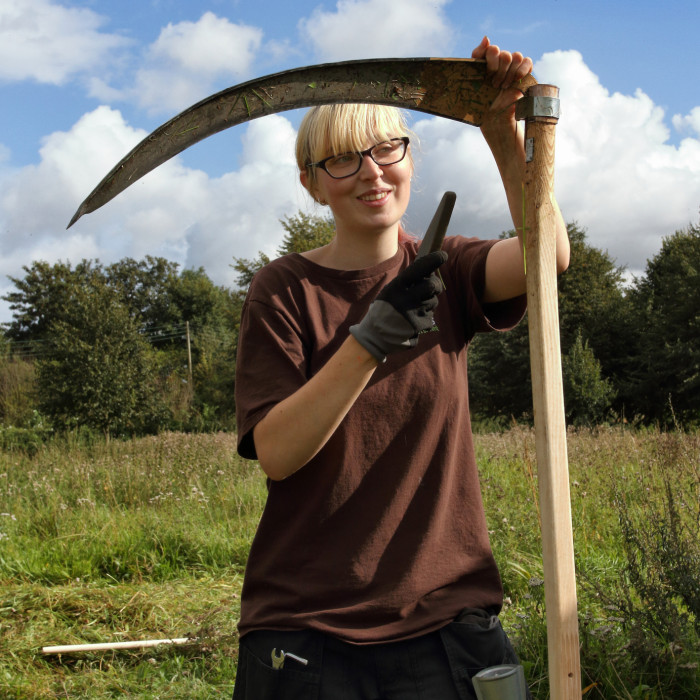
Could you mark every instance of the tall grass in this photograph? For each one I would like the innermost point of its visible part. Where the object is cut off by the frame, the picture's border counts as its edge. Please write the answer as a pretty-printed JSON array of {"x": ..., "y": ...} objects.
[
  {"x": 635, "y": 499},
  {"x": 144, "y": 539},
  {"x": 148, "y": 539}
]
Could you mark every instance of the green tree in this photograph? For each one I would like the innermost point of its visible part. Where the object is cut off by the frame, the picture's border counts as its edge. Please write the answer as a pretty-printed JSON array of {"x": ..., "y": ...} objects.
[
  {"x": 590, "y": 292},
  {"x": 590, "y": 298},
  {"x": 43, "y": 294},
  {"x": 145, "y": 288},
  {"x": 195, "y": 296},
  {"x": 99, "y": 371},
  {"x": 667, "y": 304},
  {"x": 587, "y": 395},
  {"x": 302, "y": 232},
  {"x": 214, "y": 338},
  {"x": 306, "y": 232},
  {"x": 17, "y": 388},
  {"x": 159, "y": 301},
  {"x": 246, "y": 268},
  {"x": 500, "y": 385}
]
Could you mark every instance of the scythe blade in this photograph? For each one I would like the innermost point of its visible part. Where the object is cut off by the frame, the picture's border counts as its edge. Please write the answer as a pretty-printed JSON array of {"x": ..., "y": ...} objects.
[{"x": 447, "y": 87}]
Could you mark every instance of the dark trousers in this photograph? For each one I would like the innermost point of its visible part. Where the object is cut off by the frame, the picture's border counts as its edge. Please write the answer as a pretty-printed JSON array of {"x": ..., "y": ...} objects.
[{"x": 436, "y": 666}]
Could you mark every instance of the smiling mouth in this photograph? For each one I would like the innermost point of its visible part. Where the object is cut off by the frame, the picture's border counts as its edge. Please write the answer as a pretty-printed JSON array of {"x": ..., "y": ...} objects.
[{"x": 374, "y": 197}]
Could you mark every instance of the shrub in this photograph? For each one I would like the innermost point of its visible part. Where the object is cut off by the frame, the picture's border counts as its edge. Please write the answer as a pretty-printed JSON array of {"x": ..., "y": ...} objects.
[
  {"x": 588, "y": 395},
  {"x": 658, "y": 597}
]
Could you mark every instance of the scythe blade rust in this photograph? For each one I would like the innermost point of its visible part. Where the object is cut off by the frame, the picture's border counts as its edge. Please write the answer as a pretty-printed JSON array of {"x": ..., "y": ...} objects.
[{"x": 448, "y": 87}]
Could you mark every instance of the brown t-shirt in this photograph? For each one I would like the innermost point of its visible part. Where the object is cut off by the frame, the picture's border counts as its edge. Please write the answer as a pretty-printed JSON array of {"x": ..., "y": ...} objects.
[{"x": 382, "y": 535}]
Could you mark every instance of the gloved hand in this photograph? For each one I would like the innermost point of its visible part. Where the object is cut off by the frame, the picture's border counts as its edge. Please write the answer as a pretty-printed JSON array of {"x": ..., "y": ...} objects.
[{"x": 402, "y": 309}]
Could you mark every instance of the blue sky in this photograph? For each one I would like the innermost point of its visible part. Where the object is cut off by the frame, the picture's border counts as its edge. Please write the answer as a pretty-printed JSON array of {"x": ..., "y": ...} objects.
[{"x": 82, "y": 81}]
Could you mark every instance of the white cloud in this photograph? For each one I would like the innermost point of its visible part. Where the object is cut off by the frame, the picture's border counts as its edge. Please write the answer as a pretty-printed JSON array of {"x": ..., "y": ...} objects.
[
  {"x": 379, "y": 28},
  {"x": 183, "y": 62},
  {"x": 100, "y": 90},
  {"x": 36, "y": 199},
  {"x": 455, "y": 157},
  {"x": 249, "y": 203},
  {"x": 47, "y": 42},
  {"x": 616, "y": 172},
  {"x": 176, "y": 212},
  {"x": 209, "y": 46},
  {"x": 689, "y": 123}
]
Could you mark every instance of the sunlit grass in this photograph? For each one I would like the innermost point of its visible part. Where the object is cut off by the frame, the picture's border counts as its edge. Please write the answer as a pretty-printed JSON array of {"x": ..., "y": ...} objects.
[
  {"x": 647, "y": 468},
  {"x": 205, "y": 608},
  {"x": 148, "y": 539}
]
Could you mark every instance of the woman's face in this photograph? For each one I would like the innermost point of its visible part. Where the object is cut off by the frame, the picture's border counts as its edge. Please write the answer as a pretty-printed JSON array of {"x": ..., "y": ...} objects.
[{"x": 374, "y": 198}]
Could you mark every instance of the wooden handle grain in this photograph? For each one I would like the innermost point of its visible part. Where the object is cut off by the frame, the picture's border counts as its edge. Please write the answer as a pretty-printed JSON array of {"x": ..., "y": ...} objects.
[{"x": 548, "y": 402}]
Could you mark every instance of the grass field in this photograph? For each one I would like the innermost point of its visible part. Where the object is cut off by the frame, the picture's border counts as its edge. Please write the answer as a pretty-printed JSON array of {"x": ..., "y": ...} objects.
[{"x": 147, "y": 539}]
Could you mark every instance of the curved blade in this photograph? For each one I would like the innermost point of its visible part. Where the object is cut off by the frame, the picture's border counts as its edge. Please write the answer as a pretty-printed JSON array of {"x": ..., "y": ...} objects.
[{"x": 447, "y": 87}]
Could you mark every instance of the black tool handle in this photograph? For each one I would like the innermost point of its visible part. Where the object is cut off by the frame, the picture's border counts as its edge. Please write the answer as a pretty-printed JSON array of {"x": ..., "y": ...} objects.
[{"x": 438, "y": 226}]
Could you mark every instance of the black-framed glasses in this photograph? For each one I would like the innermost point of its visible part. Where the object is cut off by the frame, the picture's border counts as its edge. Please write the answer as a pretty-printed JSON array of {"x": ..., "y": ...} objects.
[{"x": 347, "y": 164}]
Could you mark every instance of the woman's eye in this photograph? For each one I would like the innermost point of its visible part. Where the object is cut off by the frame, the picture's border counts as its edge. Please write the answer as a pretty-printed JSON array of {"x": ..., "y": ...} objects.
[
  {"x": 343, "y": 159},
  {"x": 386, "y": 149}
]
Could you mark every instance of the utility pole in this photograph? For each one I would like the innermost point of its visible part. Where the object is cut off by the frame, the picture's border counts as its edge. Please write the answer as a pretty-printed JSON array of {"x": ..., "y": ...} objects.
[{"x": 189, "y": 356}]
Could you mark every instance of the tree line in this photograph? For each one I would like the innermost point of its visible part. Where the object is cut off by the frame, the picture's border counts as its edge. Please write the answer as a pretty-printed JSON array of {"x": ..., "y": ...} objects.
[{"x": 137, "y": 347}]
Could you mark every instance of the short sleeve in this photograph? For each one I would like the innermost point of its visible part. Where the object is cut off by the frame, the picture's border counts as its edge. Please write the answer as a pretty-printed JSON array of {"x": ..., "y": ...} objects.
[
  {"x": 270, "y": 366},
  {"x": 466, "y": 272}
]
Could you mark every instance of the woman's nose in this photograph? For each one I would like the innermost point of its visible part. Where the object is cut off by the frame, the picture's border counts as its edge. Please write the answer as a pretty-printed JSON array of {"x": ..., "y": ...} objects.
[{"x": 368, "y": 168}]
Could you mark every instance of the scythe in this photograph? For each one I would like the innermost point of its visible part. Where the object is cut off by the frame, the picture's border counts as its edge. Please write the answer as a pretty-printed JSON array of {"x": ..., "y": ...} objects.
[{"x": 456, "y": 89}]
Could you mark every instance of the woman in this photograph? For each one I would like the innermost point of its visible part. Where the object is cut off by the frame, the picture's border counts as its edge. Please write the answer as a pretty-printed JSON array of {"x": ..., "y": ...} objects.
[{"x": 371, "y": 574}]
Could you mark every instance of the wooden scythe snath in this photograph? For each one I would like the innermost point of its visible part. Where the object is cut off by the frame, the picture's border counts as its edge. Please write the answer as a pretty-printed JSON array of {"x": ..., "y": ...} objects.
[
  {"x": 456, "y": 89},
  {"x": 540, "y": 109}
]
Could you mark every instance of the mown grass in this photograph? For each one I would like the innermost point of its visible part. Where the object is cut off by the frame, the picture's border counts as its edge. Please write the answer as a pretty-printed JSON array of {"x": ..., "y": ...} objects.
[{"x": 147, "y": 539}]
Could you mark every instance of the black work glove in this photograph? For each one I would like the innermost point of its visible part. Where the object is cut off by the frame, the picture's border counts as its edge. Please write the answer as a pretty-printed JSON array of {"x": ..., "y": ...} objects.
[{"x": 402, "y": 309}]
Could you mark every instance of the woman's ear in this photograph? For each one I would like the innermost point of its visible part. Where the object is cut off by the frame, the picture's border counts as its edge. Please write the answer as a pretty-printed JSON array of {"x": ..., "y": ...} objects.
[{"x": 304, "y": 179}]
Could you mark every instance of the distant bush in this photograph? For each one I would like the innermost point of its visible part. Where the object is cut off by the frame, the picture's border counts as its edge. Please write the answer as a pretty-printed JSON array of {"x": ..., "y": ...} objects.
[
  {"x": 27, "y": 440},
  {"x": 588, "y": 395},
  {"x": 18, "y": 398}
]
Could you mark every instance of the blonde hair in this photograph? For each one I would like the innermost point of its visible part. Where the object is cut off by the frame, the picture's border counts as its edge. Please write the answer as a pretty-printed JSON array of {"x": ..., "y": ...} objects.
[{"x": 339, "y": 128}]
